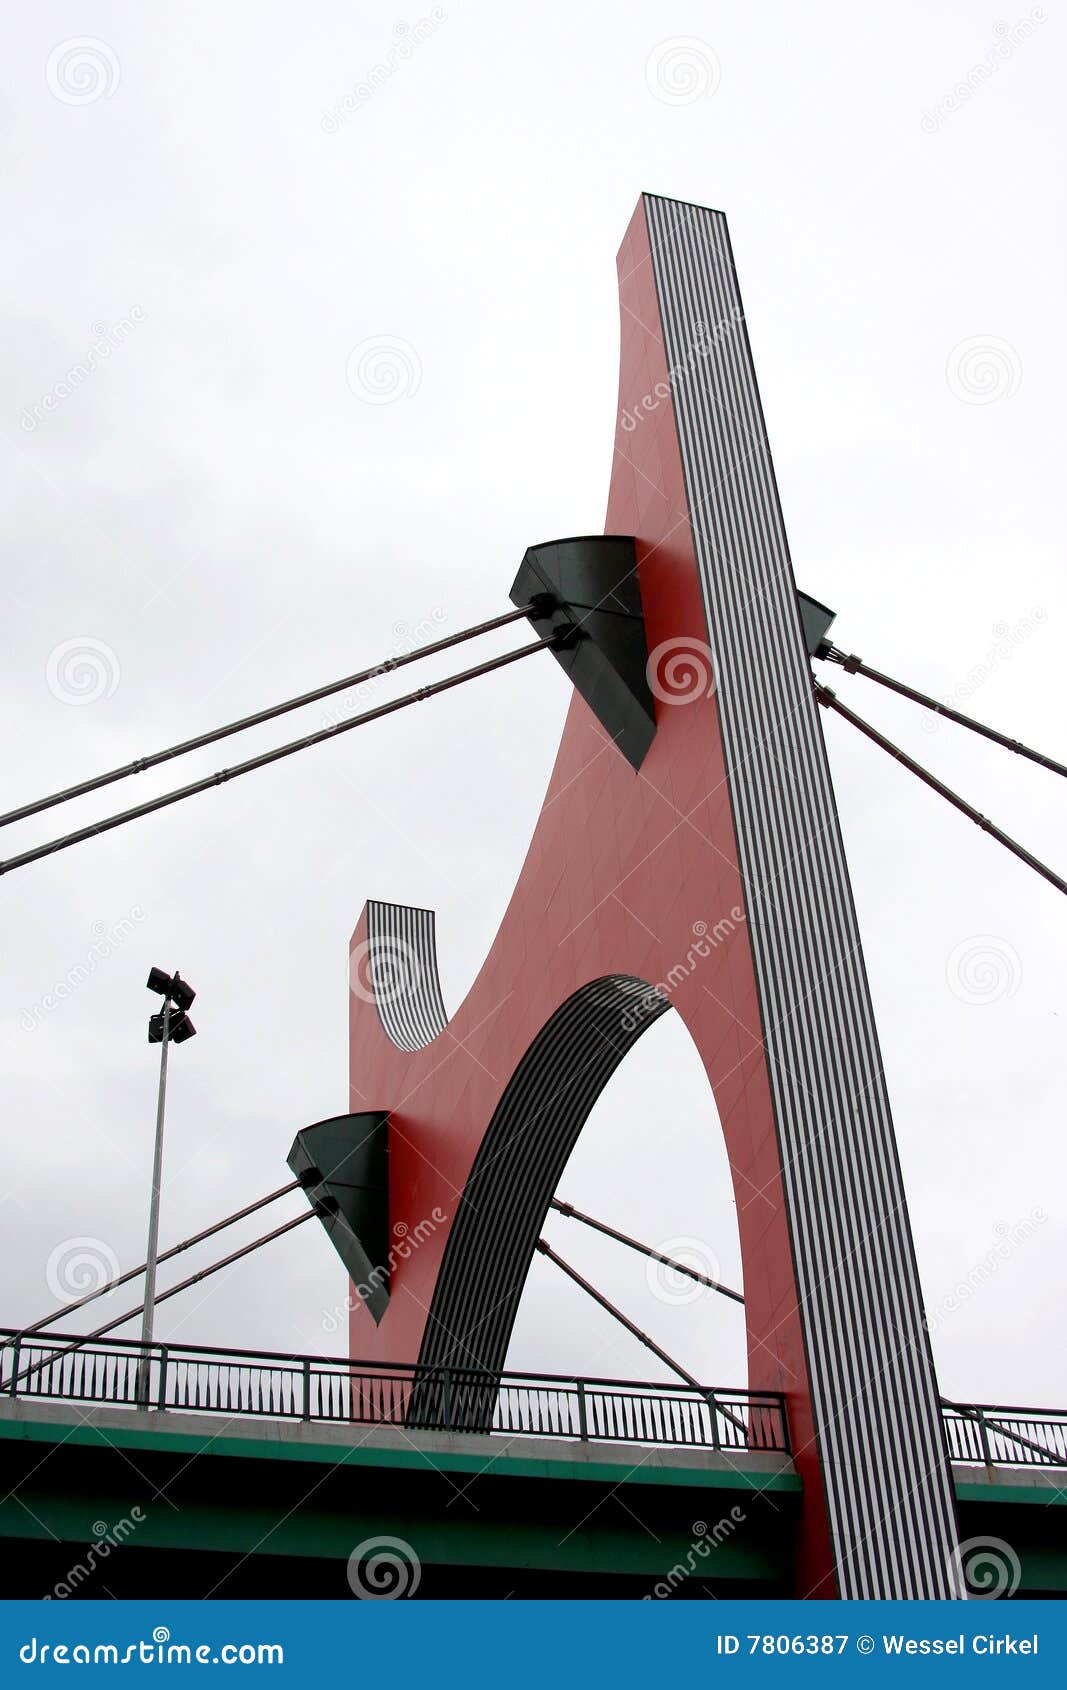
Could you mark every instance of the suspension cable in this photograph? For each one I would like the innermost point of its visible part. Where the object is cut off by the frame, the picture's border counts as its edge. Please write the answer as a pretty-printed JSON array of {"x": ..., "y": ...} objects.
[
  {"x": 642, "y": 1337},
  {"x": 831, "y": 701},
  {"x": 287, "y": 750},
  {"x": 175, "y": 1250},
  {"x": 193, "y": 1279},
  {"x": 856, "y": 666},
  {"x": 139, "y": 764},
  {"x": 574, "y": 1214}
]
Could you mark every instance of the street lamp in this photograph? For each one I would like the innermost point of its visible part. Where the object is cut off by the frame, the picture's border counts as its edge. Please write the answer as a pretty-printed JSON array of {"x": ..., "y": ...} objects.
[{"x": 171, "y": 1023}]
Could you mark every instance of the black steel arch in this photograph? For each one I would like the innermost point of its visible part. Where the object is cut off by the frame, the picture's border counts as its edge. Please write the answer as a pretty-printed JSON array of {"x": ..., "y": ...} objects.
[{"x": 519, "y": 1164}]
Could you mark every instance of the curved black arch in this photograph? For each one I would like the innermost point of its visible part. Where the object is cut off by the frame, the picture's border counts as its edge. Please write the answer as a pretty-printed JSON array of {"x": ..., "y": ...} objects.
[{"x": 519, "y": 1164}]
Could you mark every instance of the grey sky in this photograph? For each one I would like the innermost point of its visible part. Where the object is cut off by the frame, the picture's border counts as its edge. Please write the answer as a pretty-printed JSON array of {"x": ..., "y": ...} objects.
[{"x": 215, "y": 208}]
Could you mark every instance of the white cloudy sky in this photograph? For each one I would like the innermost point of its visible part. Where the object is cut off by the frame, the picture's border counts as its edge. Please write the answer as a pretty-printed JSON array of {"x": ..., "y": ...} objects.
[{"x": 225, "y": 519}]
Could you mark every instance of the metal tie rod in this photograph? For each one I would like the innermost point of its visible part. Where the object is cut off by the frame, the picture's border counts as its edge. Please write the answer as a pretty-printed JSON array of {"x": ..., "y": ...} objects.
[
  {"x": 194, "y": 1279},
  {"x": 574, "y": 1214},
  {"x": 831, "y": 701},
  {"x": 642, "y": 1337},
  {"x": 139, "y": 764},
  {"x": 275, "y": 756},
  {"x": 856, "y": 666},
  {"x": 175, "y": 1250}
]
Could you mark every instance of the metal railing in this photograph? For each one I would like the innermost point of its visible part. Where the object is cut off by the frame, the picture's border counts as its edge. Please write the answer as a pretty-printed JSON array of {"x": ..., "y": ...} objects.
[
  {"x": 197, "y": 1378},
  {"x": 985, "y": 1435}
]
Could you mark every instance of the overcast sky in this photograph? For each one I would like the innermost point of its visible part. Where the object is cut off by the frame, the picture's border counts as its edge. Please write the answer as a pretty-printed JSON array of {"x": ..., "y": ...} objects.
[{"x": 351, "y": 346}]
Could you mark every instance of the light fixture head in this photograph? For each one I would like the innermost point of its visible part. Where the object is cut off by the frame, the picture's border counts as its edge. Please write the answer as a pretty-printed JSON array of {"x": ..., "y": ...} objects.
[
  {"x": 181, "y": 992},
  {"x": 158, "y": 981},
  {"x": 182, "y": 1029}
]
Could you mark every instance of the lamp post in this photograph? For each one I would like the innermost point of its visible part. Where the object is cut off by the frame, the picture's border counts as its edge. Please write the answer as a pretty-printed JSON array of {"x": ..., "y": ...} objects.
[{"x": 170, "y": 1023}]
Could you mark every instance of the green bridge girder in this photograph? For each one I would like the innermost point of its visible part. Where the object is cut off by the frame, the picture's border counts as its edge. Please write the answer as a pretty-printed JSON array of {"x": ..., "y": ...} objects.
[{"x": 198, "y": 1505}]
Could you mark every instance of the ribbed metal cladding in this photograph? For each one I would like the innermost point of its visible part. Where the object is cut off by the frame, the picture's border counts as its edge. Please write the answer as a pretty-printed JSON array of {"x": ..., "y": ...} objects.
[
  {"x": 519, "y": 1164},
  {"x": 402, "y": 947},
  {"x": 878, "y": 1424}
]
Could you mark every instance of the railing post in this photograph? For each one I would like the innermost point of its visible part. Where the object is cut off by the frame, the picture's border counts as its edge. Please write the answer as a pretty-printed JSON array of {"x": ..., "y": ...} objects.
[
  {"x": 714, "y": 1408},
  {"x": 983, "y": 1439},
  {"x": 16, "y": 1353},
  {"x": 446, "y": 1397},
  {"x": 583, "y": 1418},
  {"x": 305, "y": 1413},
  {"x": 164, "y": 1356}
]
